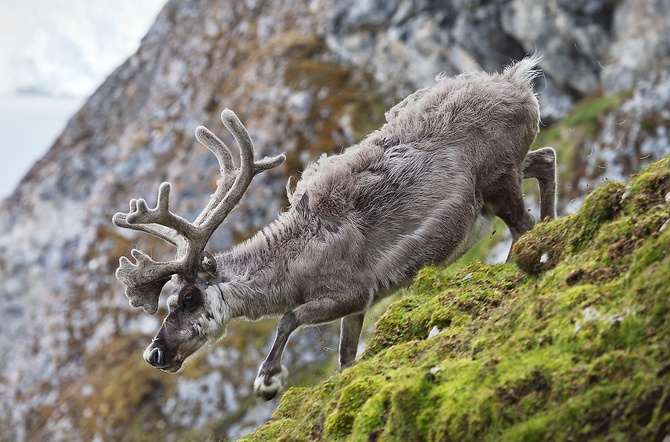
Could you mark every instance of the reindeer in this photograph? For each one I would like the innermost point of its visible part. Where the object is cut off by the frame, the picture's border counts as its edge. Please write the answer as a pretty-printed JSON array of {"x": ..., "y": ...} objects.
[{"x": 422, "y": 189}]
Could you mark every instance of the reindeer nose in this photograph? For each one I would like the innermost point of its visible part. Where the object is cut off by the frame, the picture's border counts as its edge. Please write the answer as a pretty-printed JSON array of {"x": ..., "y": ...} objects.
[{"x": 154, "y": 357}]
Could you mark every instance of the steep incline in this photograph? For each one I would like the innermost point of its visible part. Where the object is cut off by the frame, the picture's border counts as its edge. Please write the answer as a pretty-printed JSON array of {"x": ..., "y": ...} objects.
[
  {"x": 306, "y": 76},
  {"x": 575, "y": 348}
]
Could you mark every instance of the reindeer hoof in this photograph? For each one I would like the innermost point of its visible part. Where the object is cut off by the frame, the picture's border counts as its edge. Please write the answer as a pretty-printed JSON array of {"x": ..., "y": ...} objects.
[{"x": 267, "y": 386}]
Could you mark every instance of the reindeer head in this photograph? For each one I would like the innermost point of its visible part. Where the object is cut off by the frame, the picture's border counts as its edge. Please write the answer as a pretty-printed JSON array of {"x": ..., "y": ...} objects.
[{"x": 197, "y": 312}]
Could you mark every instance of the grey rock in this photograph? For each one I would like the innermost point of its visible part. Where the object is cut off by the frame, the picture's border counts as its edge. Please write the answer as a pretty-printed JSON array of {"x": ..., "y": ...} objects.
[
  {"x": 571, "y": 48},
  {"x": 640, "y": 46}
]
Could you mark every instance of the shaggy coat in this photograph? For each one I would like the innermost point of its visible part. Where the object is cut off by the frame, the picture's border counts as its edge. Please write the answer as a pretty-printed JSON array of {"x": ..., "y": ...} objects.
[{"x": 422, "y": 189}]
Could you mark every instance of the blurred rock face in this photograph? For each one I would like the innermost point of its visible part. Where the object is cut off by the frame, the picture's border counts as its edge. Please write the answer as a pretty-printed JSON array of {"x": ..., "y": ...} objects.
[{"x": 305, "y": 77}]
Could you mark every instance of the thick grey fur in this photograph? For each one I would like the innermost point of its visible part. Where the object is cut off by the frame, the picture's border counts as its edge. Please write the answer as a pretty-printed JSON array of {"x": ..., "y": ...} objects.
[{"x": 422, "y": 189}]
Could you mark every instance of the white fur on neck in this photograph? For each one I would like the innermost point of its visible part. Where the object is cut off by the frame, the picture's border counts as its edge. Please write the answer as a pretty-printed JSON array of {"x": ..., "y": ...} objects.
[{"x": 220, "y": 311}]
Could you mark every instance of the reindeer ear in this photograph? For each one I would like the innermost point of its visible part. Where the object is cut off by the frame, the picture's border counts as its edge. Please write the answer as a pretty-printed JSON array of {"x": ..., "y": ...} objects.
[
  {"x": 302, "y": 205},
  {"x": 207, "y": 263}
]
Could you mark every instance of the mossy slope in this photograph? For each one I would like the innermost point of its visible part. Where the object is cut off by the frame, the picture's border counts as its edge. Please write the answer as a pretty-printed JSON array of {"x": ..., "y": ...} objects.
[{"x": 575, "y": 345}]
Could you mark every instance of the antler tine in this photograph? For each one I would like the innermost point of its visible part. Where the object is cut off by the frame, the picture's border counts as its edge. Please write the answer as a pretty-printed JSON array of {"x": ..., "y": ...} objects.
[
  {"x": 269, "y": 163},
  {"x": 226, "y": 166},
  {"x": 243, "y": 175},
  {"x": 159, "y": 222},
  {"x": 161, "y": 214},
  {"x": 217, "y": 147},
  {"x": 156, "y": 230}
]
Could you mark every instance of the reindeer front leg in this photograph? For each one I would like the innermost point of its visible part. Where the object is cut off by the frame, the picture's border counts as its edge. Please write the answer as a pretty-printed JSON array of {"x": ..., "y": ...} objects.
[{"x": 271, "y": 375}]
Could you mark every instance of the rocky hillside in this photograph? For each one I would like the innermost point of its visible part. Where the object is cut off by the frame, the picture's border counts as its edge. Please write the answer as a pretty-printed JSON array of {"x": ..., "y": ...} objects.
[
  {"x": 306, "y": 77},
  {"x": 570, "y": 345}
]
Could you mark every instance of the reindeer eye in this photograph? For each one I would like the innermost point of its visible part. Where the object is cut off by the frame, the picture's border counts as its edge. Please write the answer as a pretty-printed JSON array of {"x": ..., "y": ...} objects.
[{"x": 191, "y": 299}]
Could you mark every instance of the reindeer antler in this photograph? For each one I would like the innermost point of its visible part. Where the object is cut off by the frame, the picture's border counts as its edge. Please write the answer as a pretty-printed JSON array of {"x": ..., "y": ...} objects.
[{"x": 145, "y": 278}]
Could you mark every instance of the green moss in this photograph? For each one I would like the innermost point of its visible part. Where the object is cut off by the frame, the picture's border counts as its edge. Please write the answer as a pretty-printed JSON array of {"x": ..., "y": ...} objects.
[
  {"x": 553, "y": 241},
  {"x": 573, "y": 348},
  {"x": 372, "y": 416},
  {"x": 354, "y": 395}
]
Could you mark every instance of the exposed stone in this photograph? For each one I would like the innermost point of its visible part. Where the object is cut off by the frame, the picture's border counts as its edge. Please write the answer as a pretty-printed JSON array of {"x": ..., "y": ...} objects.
[{"x": 640, "y": 44}]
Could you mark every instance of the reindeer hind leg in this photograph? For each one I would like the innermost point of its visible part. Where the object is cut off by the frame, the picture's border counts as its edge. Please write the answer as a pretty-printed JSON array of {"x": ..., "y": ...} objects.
[
  {"x": 541, "y": 164},
  {"x": 350, "y": 332},
  {"x": 505, "y": 198}
]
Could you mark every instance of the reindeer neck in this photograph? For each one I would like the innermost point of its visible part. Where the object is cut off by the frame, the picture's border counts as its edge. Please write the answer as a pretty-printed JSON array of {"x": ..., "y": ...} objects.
[{"x": 254, "y": 274}]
